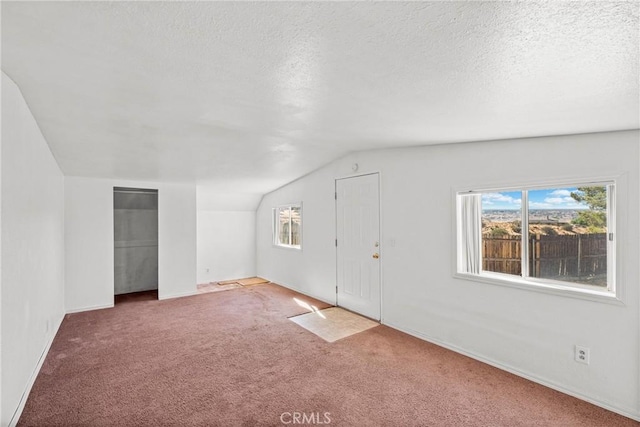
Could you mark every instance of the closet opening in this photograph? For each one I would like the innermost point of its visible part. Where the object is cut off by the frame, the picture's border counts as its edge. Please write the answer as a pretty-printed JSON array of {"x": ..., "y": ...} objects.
[{"x": 135, "y": 227}]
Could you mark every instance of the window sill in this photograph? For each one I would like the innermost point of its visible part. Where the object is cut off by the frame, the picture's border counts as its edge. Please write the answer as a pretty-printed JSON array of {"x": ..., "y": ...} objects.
[
  {"x": 543, "y": 286},
  {"x": 289, "y": 247}
]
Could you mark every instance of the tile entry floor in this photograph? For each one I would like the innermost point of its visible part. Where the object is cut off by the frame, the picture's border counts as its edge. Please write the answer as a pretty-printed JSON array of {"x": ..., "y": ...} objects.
[
  {"x": 334, "y": 323},
  {"x": 216, "y": 287},
  {"x": 230, "y": 284}
]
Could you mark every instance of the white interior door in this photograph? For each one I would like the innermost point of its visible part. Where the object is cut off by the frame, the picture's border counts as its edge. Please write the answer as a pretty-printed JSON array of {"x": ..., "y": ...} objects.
[{"x": 358, "y": 244}]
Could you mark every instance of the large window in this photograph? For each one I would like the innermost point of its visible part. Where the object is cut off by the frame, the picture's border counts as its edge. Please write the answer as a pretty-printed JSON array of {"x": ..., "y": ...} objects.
[
  {"x": 287, "y": 226},
  {"x": 558, "y": 237}
]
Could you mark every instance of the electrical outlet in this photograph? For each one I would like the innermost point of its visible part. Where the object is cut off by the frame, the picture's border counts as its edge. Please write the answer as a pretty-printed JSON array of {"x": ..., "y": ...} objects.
[
  {"x": 207, "y": 270},
  {"x": 582, "y": 354}
]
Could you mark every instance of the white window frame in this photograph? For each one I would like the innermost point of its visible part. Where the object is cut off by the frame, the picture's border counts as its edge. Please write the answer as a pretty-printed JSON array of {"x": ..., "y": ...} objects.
[
  {"x": 275, "y": 226},
  {"x": 613, "y": 293}
]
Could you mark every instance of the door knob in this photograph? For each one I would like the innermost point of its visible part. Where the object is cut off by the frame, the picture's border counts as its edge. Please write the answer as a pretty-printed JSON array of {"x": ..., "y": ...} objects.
[{"x": 376, "y": 256}]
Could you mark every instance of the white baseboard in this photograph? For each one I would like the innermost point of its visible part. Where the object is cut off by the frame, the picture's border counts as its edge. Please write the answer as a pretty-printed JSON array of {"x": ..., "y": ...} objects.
[
  {"x": 516, "y": 371},
  {"x": 25, "y": 394},
  {"x": 180, "y": 295},
  {"x": 303, "y": 292},
  {"x": 93, "y": 307}
]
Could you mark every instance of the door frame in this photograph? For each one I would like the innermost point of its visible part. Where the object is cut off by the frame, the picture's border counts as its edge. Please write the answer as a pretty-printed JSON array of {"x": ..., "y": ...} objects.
[
  {"x": 124, "y": 188},
  {"x": 380, "y": 222}
]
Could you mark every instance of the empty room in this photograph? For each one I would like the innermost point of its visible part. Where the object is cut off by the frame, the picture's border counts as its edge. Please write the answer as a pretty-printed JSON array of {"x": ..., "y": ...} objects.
[{"x": 320, "y": 213}]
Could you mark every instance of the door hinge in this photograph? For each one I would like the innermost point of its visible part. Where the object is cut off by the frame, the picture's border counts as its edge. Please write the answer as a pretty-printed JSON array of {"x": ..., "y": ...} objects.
[
  {"x": 336, "y": 195},
  {"x": 336, "y": 242},
  {"x": 336, "y": 289},
  {"x": 611, "y": 237}
]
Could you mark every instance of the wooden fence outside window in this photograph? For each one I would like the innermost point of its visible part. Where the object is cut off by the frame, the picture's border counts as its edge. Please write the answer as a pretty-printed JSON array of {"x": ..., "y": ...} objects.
[{"x": 576, "y": 258}]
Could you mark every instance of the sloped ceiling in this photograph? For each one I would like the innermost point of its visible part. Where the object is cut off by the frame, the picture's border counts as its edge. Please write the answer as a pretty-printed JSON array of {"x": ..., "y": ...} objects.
[{"x": 245, "y": 97}]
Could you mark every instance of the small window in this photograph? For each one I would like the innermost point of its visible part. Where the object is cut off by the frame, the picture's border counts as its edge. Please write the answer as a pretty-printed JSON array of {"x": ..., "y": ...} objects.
[
  {"x": 559, "y": 237},
  {"x": 287, "y": 226}
]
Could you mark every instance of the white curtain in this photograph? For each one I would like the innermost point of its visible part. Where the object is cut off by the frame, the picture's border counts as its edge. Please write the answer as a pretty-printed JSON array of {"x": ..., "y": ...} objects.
[
  {"x": 274, "y": 225},
  {"x": 470, "y": 234}
]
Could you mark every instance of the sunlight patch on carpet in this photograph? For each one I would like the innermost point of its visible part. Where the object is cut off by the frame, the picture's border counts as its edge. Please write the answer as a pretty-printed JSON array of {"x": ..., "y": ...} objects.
[{"x": 333, "y": 324}]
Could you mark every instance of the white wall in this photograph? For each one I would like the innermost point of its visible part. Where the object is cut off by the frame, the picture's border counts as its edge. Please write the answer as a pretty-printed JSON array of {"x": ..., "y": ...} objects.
[
  {"x": 311, "y": 270},
  {"x": 211, "y": 198},
  {"x": 4, "y": 77},
  {"x": 529, "y": 333},
  {"x": 226, "y": 245},
  {"x": 89, "y": 240},
  {"x": 32, "y": 249},
  {"x": 1, "y": 138},
  {"x": 177, "y": 243},
  {"x": 226, "y": 234}
]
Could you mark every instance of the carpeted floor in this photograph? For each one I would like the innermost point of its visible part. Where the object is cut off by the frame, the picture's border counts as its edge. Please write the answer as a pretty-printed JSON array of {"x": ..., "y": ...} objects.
[{"x": 234, "y": 359}]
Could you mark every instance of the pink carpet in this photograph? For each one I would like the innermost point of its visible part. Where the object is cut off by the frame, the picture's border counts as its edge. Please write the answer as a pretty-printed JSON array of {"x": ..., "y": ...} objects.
[{"x": 233, "y": 359}]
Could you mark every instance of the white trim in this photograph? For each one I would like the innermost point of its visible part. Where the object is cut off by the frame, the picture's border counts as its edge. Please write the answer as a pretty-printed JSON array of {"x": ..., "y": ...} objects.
[
  {"x": 335, "y": 235},
  {"x": 542, "y": 184},
  {"x": 524, "y": 235},
  {"x": 90, "y": 308},
  {"x": 289, "y": 247},
  {"x": 542, "y": 381},
  {"x": 381, "y": 245},
  {"x": 612, "y": 230},
  {"x": 180, "y": 295},
  {"x": 25, "y": 394},
  {"x": 123, "y": 189},
  {"x": 357, "y": 175},
  {"x": 305, "y": 293},
  {"x": 380, "y": 236},
  {"x": 275, "y": 227},
  {"x": 543, "y": 286},
  {"x": 614, "y": 296}
]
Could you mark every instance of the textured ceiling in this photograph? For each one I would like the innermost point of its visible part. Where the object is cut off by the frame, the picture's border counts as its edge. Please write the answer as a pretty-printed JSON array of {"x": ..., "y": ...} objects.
[{"x": 245, "y": 97}]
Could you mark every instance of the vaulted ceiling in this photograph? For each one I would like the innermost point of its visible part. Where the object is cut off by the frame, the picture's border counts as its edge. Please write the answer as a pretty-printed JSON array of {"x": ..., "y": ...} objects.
[{"x": 247, "y": 96}]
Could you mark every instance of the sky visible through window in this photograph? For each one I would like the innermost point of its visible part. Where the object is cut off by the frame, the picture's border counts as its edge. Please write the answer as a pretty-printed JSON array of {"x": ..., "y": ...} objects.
[{"x": 553, "y": 198}]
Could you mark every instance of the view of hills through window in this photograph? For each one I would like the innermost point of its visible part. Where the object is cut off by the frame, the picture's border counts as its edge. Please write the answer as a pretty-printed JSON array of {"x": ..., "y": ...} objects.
[
  {"x": 556, "y": 209},
  {"x": 567, "y": 233}
]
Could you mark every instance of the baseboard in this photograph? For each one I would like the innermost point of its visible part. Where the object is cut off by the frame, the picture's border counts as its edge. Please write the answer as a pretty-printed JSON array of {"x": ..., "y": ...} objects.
[
  {"x": 25, "y": 395},
  {"x": 180, "y": 295},
  {"x": 93, "y": 307},
  {"x": 515, "y": 371},
  {"x": 324, "y": 300}
]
